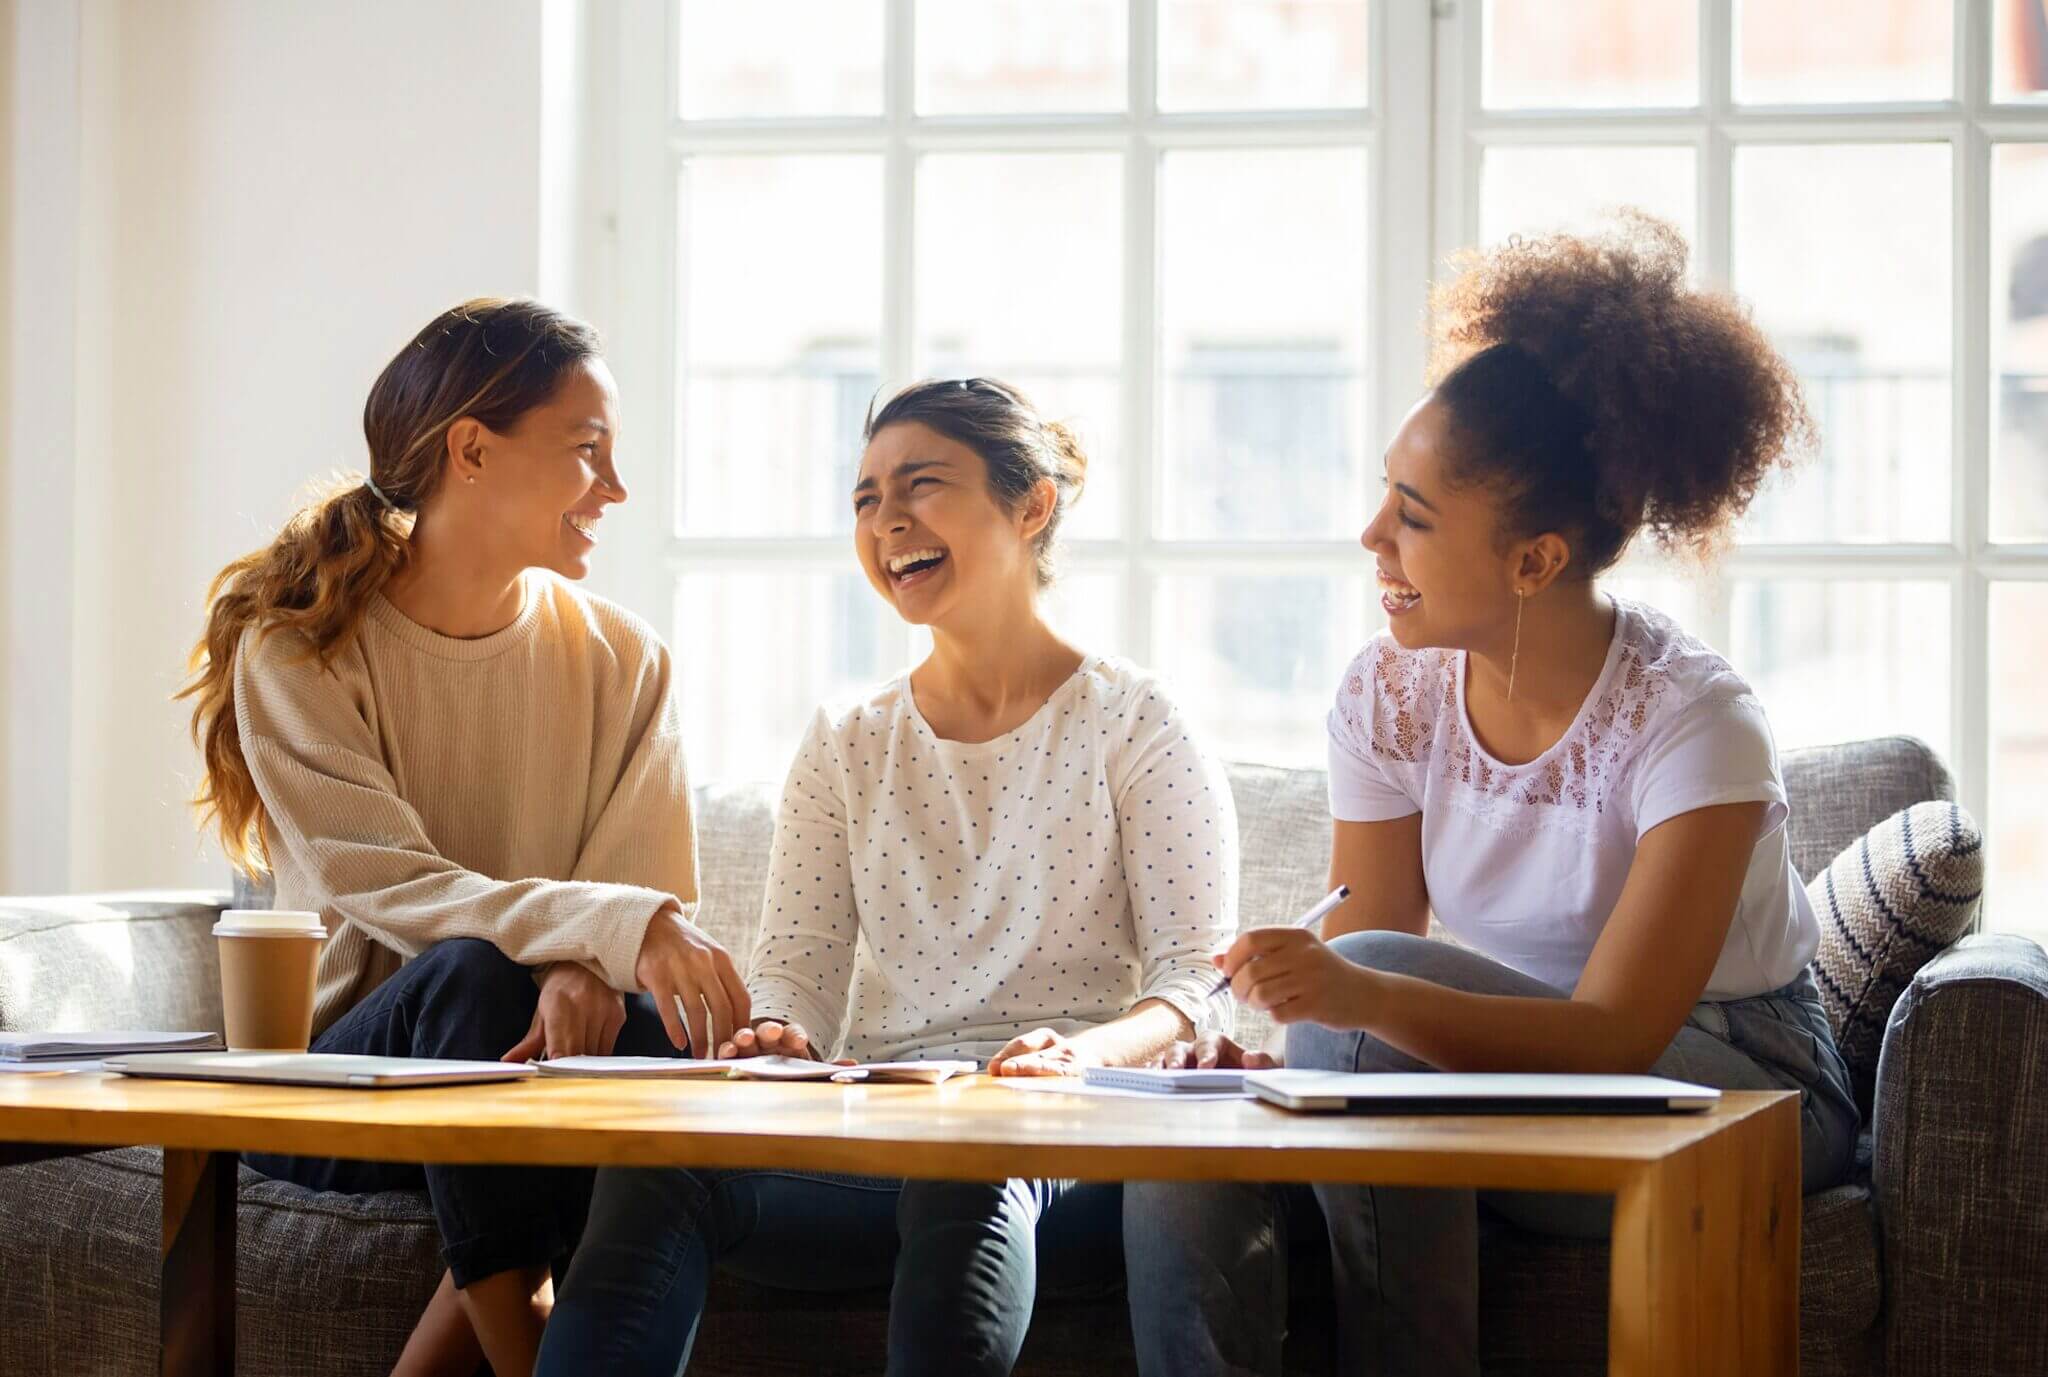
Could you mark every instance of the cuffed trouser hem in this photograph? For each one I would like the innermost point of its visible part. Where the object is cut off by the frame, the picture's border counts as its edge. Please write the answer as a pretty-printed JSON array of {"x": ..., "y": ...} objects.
[{"x": 472, "y": 1259}]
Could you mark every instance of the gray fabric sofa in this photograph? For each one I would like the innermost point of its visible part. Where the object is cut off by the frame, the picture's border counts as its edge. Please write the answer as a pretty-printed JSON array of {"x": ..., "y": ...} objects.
[{"x": 1933, "y": 1260}]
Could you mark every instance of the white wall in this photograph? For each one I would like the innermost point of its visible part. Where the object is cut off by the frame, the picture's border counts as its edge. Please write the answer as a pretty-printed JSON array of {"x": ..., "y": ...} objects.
[
  {"x": 7, "y": 126},
  {"x": 271, "y": 199}
]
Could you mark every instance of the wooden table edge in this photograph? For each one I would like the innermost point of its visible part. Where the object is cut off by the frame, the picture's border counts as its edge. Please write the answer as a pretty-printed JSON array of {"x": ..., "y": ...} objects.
[{"x": 963, "y": 1157}]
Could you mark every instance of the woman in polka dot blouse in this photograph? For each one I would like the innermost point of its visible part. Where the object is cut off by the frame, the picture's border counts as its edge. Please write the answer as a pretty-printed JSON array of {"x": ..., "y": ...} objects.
[{"x": 1016, "y": 853}]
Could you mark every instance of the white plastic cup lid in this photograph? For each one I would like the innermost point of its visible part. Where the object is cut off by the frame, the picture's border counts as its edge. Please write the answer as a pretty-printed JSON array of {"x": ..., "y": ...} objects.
[{"x": 253, "y": 922}]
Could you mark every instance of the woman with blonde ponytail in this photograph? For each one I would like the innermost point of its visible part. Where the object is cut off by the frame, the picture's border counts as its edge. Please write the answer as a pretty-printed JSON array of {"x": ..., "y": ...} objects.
[{"x": 412, "y": 719}]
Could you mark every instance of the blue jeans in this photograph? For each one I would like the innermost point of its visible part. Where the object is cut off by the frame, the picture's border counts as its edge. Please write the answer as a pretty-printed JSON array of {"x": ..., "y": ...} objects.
[
  {"x": 1208, "y": 1262},
  {"x": 965, "y": 1258},
  {"x": 467, "y": 1000}
]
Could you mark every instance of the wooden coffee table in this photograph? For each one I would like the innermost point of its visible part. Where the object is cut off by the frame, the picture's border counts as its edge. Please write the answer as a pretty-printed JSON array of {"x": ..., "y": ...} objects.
[{"x": 1706, "y": 1221}]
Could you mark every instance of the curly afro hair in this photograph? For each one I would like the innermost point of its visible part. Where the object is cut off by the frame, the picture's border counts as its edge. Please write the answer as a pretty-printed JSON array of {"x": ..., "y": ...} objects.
[{"x": 1600, "y": 395}]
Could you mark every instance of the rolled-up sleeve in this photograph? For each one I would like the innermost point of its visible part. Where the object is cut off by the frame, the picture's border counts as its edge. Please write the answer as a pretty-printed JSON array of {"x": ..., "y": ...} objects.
[{"x": 1178, "y": 829}]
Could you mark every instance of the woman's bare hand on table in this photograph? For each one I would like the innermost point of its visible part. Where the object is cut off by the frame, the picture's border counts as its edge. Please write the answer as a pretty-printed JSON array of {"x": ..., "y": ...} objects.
[
  {"x": 578, "y": 1015},
  {"x": 773, "y": 1038},
  {"x": 681, "y": 964},
  {"x": 1213, "y": 1051}
]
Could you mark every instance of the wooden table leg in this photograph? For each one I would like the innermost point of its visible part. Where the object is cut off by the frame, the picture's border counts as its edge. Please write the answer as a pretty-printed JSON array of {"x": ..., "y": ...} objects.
[
  {"x": 1706, "y": 1257},
  {"x": 197, "y": 1301}
]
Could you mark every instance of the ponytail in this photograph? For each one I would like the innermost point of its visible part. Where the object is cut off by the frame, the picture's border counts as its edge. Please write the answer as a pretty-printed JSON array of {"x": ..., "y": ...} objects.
[
  {"x": 490, "y": 359},
  {"x": 315, "y": 578}
]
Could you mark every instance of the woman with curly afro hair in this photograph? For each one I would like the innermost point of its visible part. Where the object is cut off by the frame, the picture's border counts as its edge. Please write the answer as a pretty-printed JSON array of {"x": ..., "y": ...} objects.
[{"x": 1587, "y": 798}]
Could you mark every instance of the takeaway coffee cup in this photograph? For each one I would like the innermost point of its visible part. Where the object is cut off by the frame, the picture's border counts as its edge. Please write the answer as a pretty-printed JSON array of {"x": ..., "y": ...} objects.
[{"x": 268, "y": 961}]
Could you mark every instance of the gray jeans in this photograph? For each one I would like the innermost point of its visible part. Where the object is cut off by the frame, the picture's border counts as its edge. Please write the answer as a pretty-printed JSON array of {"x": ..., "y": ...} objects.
[{"x": 1207, "y": 1262}]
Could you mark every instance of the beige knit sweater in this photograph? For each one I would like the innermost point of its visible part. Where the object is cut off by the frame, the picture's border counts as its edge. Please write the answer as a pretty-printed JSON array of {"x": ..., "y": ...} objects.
[{"x": 526, "y": 787}]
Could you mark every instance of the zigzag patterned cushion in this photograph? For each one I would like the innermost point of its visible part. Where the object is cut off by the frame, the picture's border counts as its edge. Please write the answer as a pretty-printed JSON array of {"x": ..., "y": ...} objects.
[{"x": 1896, "y": 897}]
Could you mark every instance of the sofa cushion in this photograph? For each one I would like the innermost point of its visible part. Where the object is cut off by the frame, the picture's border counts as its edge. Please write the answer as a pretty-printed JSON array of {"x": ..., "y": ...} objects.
[
  {"x": 137, "y": 960},
  {"x": 327, "y": 1284},
  {"x": 1887, "y": 905},
  {"x": 735, "y": 829},
  {"x": 1837, "y": 793},
  {"x": 1283, "y": 820}
]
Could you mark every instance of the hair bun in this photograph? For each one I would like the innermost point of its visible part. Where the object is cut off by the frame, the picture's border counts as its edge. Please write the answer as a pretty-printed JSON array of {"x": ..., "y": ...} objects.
[{"x": 1069, "y": 456}]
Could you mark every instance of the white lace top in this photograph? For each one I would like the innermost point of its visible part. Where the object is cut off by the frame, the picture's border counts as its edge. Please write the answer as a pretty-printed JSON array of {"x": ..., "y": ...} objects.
[{"x": 1525, "y": 862}]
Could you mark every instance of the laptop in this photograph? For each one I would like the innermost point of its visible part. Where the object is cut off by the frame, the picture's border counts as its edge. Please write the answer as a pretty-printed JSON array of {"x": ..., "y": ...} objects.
[
  {"x": 1439, "y": 1092},
  {"x": 315, "y": 1068}
]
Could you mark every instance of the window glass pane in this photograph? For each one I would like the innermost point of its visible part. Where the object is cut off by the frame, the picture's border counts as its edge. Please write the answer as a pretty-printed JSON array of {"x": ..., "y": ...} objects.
[
  {"x": 1262, "y": 54},
  {"x": 2019, "y": 50},
  {"x": 1843, "y": 51},
  {"x": 1087, "y": 607},
  {"x": 1531, "y": 190},
  {"x": 1815, "y": 229},
  {"x": 1255, "y": 658},
  {"x": 786, "y": 640},
  {"x": 778, "y": 57},
  {"x": 1675, "y": 595},
  {"x": 985, "y": 57},
  {"x": 780, "y": 313},
  {"x": 1262, "y": 316},
  {"x": 2019, "y": 341},
  {"x": 1591, "y": 53},
  {"x": 2017, "y": 892},
  {"x": 1020, "y": 277},
  {"x": 1839, "y": 661}
]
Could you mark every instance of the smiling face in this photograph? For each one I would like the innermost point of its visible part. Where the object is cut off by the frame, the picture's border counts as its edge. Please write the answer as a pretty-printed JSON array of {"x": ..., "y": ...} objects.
[
  {"x": 1445, "y": 577},
  {"x": 931, "y": 537},
  {"x": 549, "y": 478}
]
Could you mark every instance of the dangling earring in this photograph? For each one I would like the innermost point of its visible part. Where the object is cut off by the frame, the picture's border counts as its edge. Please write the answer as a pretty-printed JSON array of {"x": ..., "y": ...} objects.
[{"x": 1515, "y": 658}]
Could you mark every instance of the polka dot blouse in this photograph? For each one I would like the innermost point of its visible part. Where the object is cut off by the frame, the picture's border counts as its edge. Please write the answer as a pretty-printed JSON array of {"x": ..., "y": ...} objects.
[{"x": 931, "y": 898}]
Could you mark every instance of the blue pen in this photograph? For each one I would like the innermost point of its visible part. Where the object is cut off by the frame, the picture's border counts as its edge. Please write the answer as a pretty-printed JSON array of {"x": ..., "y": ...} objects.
[{"x": 1307, "y": 920}]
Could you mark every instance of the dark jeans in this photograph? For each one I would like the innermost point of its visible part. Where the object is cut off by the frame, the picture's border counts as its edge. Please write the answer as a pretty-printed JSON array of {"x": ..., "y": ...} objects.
[
  {"x": 1208, "y": 1262},
  {"x": 466, "y": 1000},
  {"x": 965, "y": 1258}
]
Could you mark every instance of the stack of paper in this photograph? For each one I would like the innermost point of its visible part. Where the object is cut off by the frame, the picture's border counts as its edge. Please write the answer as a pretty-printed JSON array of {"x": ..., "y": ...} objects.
[{"x": 41, "y": 1047}]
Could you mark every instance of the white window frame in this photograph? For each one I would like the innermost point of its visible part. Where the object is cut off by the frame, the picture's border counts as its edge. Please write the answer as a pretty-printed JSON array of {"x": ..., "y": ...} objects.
[
  {"x": 1424, "y": 132},
  {"x": 1393, "y": 131},
  {"x": 1971, "y": 123}
]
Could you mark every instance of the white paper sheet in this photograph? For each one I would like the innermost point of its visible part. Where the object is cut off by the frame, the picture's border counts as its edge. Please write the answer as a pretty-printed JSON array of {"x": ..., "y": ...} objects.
[{"x": 47, "y": 1068}]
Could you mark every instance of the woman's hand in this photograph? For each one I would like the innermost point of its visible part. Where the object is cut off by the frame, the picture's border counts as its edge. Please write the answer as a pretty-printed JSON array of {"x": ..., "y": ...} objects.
[
  {"x": 771, "y": 1038},
  {"x": 1042, "y": 1052},
  {"x": 680, "y": 962},
  {"x": 1213, "y": 1051},
  {"x": 1293, "y": 975},
  {"x": 578, "y": 1015}
]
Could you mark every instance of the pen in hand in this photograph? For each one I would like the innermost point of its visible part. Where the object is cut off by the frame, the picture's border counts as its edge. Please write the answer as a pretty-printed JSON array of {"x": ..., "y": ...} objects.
[{"x": 1307, "y": 920}]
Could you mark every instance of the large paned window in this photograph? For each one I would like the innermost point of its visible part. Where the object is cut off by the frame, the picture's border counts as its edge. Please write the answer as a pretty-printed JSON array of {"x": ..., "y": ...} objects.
[{"x": 1201, "y": 232}]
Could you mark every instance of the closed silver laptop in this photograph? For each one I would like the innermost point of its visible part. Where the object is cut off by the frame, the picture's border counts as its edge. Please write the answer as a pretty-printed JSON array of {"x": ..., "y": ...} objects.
[
  {"x": 1442, "y": 1092},
  {"x": 315, "y": 1068}
]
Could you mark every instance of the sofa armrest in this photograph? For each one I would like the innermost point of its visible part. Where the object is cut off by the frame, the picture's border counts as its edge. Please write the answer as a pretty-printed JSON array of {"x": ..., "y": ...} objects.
[{"x": 1962, "y": 1198}]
